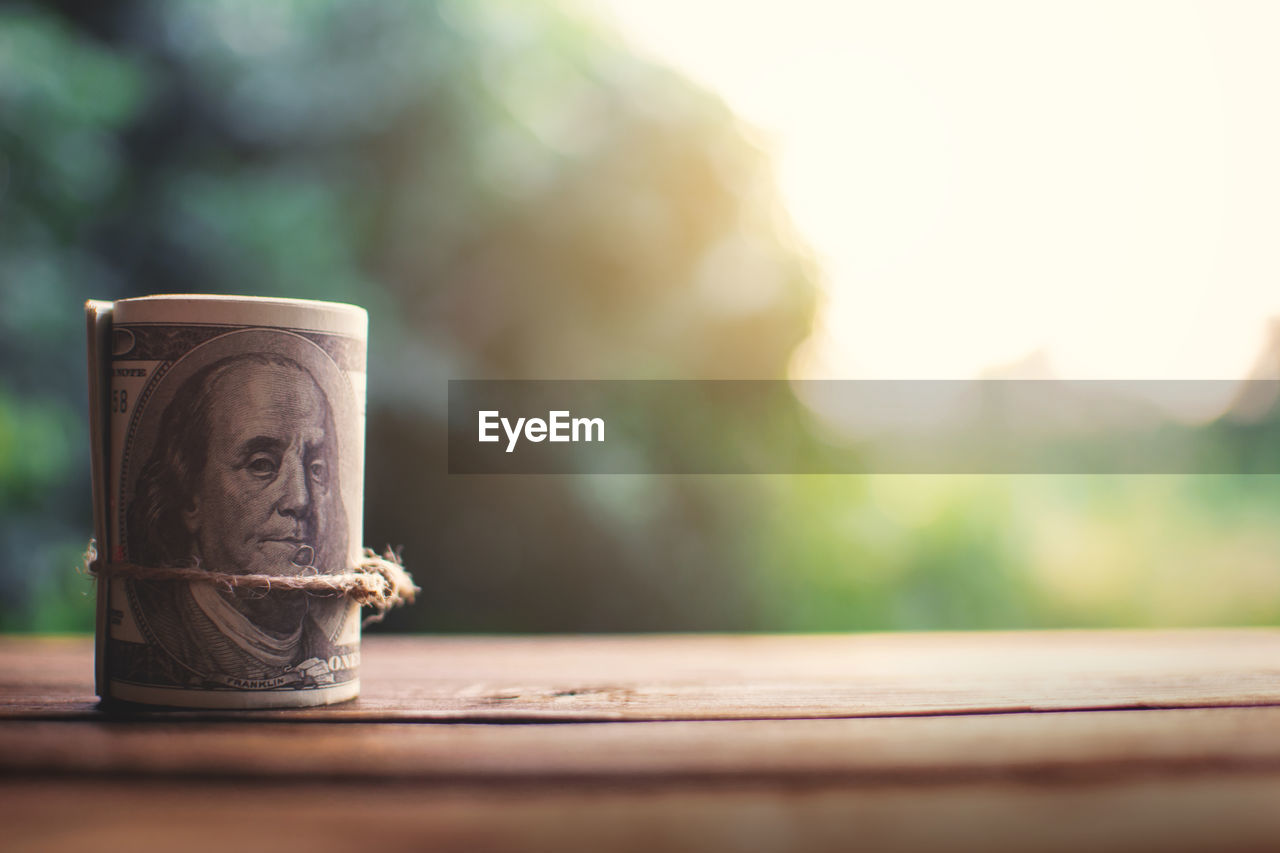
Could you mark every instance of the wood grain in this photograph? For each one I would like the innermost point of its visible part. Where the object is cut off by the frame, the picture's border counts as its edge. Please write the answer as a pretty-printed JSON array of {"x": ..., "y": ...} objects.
[
  {"x": 1134, "y": 740},
  {"x": 1034, "y": 748},
  {"x": 702, "y": 677},
  {"x": 1198, "y": 813}
]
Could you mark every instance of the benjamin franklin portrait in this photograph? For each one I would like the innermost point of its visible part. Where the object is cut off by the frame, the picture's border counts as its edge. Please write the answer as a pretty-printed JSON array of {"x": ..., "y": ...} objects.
[{"x": 243, "y": 476}]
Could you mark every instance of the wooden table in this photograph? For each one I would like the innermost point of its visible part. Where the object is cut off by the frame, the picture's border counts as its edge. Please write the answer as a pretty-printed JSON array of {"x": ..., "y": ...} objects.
[{"x": 992, "y": 741}]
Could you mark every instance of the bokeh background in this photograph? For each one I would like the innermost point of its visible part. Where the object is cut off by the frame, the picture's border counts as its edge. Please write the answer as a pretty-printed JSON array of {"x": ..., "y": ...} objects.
[{"x": 516, "y": 190}]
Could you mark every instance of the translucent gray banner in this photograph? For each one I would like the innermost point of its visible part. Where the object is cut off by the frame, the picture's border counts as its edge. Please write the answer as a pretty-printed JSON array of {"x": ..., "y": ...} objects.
[{"x": 861, "y": 427}]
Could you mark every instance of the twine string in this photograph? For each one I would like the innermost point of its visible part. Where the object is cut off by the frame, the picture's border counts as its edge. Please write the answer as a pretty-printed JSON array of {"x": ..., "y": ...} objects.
[{"x": 377, "y": 581}]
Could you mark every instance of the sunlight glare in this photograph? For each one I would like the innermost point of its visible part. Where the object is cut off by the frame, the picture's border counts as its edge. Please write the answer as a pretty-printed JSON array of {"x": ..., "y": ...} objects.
[{"x": 1090, "y": 183}]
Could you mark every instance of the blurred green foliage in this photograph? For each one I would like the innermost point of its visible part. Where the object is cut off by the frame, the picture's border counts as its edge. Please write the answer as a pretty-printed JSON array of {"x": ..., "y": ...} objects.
[{"x": 512, "y": 194}]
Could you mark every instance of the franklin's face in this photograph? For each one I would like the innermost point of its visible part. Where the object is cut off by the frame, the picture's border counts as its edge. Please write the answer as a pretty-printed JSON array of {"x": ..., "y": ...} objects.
[{"x": 254, "y": 508}]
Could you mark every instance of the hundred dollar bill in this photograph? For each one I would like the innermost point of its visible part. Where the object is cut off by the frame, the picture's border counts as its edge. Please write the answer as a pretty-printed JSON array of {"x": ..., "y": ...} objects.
[{"x": 228, "y": 439}]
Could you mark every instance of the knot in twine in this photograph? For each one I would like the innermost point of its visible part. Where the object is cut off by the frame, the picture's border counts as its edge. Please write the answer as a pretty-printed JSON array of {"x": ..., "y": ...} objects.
[{"x": 378, "y": 582}]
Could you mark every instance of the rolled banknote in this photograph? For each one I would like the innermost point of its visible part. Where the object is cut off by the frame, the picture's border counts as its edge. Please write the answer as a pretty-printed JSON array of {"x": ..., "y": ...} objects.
[{"x": 228, "y": 469}]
